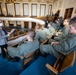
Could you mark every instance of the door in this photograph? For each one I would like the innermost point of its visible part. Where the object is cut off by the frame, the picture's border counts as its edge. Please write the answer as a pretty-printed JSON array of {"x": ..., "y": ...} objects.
[{"x": 68, "y": 13}]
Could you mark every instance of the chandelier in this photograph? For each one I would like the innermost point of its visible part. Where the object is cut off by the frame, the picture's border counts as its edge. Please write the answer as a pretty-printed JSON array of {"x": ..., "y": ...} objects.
[{"x": 9, "y": 1}]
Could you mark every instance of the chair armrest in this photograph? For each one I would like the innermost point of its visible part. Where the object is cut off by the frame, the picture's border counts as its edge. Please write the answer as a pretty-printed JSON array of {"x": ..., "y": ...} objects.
[
  {"x": 55, "y": 65},
  {"x": 52, "y": 68},
  {"x": 44, "y": 41}
]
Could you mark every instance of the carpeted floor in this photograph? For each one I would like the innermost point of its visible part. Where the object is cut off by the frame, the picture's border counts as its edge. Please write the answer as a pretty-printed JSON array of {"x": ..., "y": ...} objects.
[
  {"x": 9, "y": 68},
  {"x": 36, "y": 68}
]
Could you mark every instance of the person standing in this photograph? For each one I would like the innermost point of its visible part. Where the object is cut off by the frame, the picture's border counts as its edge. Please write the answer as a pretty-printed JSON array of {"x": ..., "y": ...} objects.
[
  {"x": 25, "y": 48},
  {"x": 3, "y": 39}
]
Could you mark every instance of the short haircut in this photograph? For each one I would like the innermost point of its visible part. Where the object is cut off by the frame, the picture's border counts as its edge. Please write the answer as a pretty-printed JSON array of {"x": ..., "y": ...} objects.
[
  {"x": 31, "y": 33},
  {"x": 73, "y": 20},
  {"x": 68, "y": 20},
  {"x": 74, "y": 24}
]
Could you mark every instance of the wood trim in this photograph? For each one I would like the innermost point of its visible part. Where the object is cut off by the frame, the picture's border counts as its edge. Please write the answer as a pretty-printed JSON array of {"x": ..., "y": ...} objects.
[
  {"x": 68, "y": 13},
  {"x": 52, "y": 68},
  {"x": 26, "y": 24}
]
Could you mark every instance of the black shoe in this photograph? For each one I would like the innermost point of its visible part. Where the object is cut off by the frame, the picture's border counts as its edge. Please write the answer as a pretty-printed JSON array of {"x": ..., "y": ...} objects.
[
  {"x": 43, "y": 55},
  {"x": 14, "y": 59}
]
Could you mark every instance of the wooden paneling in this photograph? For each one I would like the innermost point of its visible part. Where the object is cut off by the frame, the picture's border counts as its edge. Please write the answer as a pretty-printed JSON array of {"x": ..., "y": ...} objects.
[
  {"x": 33, "y": 24},
  {"x": 26, "y": 25}
]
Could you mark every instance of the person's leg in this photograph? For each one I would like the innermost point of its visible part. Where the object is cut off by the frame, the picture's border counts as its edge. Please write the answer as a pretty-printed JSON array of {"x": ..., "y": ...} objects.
[
  {"x": 13, "y": 54},
  {"x": 12, "y": 51},
  {"x": 48, "y": 49},
  {"x": 51, "y": 40},
  {"x": 3, "y": 51}
]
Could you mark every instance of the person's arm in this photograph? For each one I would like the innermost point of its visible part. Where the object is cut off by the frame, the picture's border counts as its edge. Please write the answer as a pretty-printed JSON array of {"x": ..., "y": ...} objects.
[
  {"x": 5, "y": 36},
  {"x": 54, "y": 43},
  {"x": 48, "y": 35},
  {"x": 37, "y": 36},
  {"x": 65, "y": 45},
  {"x": 65, "y": 32}
]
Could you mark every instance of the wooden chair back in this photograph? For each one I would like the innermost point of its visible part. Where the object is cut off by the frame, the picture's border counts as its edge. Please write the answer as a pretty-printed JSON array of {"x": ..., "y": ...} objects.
[
  {"x": 67, "y": 61},
  {"x": 27, "y": 58},
  {"x": 61, "y": 65}
]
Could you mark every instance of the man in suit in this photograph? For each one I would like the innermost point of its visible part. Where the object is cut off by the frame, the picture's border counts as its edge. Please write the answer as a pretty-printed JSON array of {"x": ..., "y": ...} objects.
[
  {"x": 63, "y": 46},
  {"x": 25, "y": 48}
]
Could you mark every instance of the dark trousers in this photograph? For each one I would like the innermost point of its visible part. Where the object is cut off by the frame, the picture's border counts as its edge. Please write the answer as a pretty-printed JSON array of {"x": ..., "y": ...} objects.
[{"x": 2, "y": 50}]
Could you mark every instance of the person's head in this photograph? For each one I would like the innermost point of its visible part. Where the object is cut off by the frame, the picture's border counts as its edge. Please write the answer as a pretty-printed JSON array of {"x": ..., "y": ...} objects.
[
  {"x": 36, "y": 28},
  {"x": 49, "y": 25},
  {"x": 66, "y": 22},
  {"x": 1, "y": 24},
  {"x": 30, "y": 34},
  {"x": 42, "y": 27},
  {"x": 50, "y": 21},
  {"x": 72, "y": 20},
  {"x": 57, "y": 21},
  {"x": 72, "y": 28}
]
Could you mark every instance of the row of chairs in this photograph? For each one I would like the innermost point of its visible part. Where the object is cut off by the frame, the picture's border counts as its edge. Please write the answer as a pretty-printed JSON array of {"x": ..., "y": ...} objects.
[
  {"x": 60, "y": 65},
  {"x": 63, "y": 61},
  {"x": 17, "y": 33}
]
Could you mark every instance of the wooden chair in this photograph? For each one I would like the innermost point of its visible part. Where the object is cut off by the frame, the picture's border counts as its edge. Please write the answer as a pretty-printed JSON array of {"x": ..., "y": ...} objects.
[
  {"x": 26, "y": 59},
  {"x": 61, "y": 65},
  {"x": 46, "y": 41}
]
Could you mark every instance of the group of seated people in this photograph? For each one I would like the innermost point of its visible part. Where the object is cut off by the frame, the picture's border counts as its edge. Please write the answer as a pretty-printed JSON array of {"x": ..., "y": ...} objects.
[{"x": 60, "y": 40}]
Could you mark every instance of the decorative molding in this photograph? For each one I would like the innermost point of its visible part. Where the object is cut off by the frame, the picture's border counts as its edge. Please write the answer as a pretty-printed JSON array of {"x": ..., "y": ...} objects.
[
  {"x": 38, "y": 1},
  {"x": 29, "y": 0}
]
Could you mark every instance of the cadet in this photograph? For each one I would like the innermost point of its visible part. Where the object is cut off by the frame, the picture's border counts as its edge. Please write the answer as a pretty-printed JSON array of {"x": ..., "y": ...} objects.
[
  {"x": 51, "y": 29},
  {"x": 64, "y": 46},
  {"x": 25, "y": 48},
  {"x": 42, "y": 34},
  {"x": 60, "y": 35}
]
